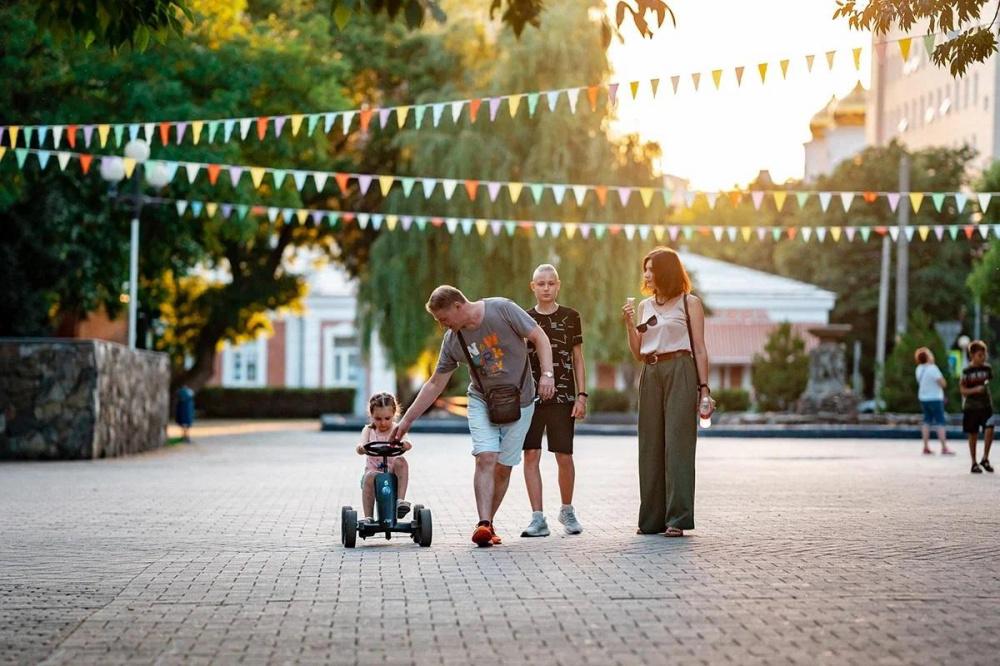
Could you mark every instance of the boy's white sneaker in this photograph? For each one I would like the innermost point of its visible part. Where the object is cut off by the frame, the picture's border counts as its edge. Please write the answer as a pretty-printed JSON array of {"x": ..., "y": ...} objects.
[
  {"x": 538, "y": 526},
  {"x": 567, "y": 516}
]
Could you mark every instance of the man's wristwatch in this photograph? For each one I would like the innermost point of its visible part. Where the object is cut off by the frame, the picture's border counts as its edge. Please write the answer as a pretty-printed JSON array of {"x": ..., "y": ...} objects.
[
  {"x": 583, "y": 394},
  {"x": 548, "y": 373}
]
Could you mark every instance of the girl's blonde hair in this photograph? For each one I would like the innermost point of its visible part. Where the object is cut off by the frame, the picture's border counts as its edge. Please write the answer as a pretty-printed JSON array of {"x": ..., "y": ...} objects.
[{"x": 379, "y": 400}]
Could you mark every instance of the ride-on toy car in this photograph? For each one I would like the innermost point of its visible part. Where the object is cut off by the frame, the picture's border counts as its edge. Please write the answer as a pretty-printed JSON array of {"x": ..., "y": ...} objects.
[{"x": 420, "y": 528}]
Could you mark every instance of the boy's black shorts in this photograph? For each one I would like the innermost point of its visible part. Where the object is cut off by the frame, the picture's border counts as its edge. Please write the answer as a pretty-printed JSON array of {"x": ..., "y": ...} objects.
[
  {"x": 974, "y": 420},
  {"x": 556, "y": 422}
]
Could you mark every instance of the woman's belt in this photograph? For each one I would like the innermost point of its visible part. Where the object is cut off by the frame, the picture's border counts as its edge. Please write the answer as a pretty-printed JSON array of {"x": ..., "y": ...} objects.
[{"x": 653, "y": 359}]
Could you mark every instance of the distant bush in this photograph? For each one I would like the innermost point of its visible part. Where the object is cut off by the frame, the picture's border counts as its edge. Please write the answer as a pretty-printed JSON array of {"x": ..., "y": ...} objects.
[
  {"x": 731, "y": 400},
  {"x": 272, "y": 403},
  {"x": 781, "y": 373},
  {"x": 609, "y": 400}
]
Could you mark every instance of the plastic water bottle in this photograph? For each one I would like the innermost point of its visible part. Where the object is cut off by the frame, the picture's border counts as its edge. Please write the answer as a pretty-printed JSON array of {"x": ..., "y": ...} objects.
[{"x": 705, "y": 412}]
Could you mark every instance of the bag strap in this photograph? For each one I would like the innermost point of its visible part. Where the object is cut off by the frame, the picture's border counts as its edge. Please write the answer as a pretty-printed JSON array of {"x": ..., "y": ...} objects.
[
  {"x": 472, "y": 367},
  {"x": 687, "y": 320}
]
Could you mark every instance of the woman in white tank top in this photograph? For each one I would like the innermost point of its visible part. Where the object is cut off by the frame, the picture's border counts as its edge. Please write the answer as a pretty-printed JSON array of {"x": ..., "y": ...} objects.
[{"x": 669, "y": 391}]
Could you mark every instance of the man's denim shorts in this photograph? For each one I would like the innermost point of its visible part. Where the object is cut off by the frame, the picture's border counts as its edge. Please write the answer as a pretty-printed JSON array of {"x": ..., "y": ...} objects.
[{"x": 507, "y": 440}]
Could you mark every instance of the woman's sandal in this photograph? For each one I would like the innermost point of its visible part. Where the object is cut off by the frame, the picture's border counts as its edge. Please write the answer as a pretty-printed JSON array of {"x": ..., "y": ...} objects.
[{"x": 673, "y": 532}]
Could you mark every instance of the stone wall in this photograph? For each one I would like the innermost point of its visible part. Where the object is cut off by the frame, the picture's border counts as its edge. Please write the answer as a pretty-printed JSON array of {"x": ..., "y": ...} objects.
[{"x": 79, "y": 399}]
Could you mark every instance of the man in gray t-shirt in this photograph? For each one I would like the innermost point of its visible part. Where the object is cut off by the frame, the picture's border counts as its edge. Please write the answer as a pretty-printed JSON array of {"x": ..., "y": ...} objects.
[{"x": 496, "y": 332}]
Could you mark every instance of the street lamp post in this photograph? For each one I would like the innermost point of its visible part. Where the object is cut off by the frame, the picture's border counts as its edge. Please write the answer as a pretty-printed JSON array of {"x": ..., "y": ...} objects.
[{"x": 113, "y": 171}]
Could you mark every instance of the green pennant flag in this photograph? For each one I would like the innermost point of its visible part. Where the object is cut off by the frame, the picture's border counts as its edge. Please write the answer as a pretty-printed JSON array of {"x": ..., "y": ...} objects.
[
  {"x": 938, "y": 199},
  {"x": 408, "y": 185},
  {"x": 421, "y": 223},
  {"x": 510, "y": 227},
  {"x": 241, "y": 211},
  {"x": 865, "y": 233},
  {"x": 21, "y": 154},
  {"x": 776, "y": 233},
  {"x": 213, "y": 127},
  {"x": 537, "y": 191},
  {"x": 418, "y": 114},
  {"x": 119, "y": 133},
  {"x": 333, "y": 218},
  {"x": 29, "y": 132},
  {"x": 532, "y": 103},
  {"x": 600, "y": 230},
  {"x": 953, "y": 231},
  {"x": 311, "y": 122},
  {"x": 279, "y": 177},
  {"x": 688, "y": 233},
  {"x": 667, "y": 196},
  {"x": 929, "y": 44},
  {"x": 802, "y": 198}
]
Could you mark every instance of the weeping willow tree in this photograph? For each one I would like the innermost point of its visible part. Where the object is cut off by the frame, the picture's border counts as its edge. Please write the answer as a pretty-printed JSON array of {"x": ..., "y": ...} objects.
[{"x": 559, "y": 147}]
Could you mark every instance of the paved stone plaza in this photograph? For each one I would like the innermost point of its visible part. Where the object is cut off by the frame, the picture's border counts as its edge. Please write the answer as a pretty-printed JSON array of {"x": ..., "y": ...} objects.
[{"x": 228, "y": 551}]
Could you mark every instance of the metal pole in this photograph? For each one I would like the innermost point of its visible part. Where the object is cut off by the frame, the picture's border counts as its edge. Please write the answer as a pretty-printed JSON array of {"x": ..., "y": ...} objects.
[
  {"x": 883, "y": 317},
  {"x": 903, "y": 249},
  {"x": 977, "y": 325},
  {"x": 133, "y": 263}
]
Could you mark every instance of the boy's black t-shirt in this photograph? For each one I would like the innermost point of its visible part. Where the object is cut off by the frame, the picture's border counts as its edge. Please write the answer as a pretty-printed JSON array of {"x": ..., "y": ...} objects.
[
  {"x": 565, "y": 332},
  {"x": 973, "y": 376}
]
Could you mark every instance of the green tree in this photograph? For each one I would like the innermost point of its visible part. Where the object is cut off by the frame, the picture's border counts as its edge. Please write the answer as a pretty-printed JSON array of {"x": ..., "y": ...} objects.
[
  {"x": 781, "y": 373},
  {"x": 973, "y": 43},
  {"x": 596, "y": 276},
  {"x": 900, "y": 392}
]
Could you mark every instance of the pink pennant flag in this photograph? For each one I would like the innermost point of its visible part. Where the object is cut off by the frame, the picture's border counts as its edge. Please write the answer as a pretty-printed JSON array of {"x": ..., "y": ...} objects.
[
  {"x": 279, "y": 122},
  {"x": 624, "y": 194},
  {"x": 88, "y": 132},
  {"x": 939, "y": 231},
  {"x": 893, "y": 198},
  {"x": 585, "y": 230},
  {"x": 235, "y": 173},
  {"x": 383, "y": 117},
  {"x": 364, "y": 182},
  {"x": 493, "y": 189},
  {"x": 849, "y": 232},
  {"x": 612, "y": 93},
  {"x": 761, "y": 233},
  {"x": 758, "y": 199},
  {"x": 181, "y": 128},
  {"x": 494, "y": 107}
]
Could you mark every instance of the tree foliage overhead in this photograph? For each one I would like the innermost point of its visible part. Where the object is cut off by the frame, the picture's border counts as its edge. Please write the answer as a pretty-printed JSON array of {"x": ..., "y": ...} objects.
[{"x": 973, "y": 42}]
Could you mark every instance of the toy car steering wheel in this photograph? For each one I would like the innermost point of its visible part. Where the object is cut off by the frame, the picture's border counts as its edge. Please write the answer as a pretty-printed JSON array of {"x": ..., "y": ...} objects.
[{"x": 387, "y": 449}]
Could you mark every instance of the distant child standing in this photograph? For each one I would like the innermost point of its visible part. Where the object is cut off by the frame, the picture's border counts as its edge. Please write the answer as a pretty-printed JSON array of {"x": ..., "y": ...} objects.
[
  {"x": 977, "y": 410},
  {"x": 930, "y": 393},
  {"x": 383, "y": 409},
  {"x": 555, "y": 418}
]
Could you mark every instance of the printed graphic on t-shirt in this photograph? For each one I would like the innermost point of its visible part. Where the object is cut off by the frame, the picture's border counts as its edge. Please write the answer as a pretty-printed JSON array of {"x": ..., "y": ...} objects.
[
  {"x": 488, "y": 355},
  {"x": 973, "y": 376}
]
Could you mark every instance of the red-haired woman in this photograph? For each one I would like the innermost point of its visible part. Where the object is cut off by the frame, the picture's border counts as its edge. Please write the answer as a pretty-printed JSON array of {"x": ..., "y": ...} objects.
[{"x": 667, "y": 333}]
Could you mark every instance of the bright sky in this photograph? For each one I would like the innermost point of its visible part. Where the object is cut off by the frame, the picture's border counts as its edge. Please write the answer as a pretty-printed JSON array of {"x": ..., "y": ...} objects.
[{"x": 719, "y": 139}]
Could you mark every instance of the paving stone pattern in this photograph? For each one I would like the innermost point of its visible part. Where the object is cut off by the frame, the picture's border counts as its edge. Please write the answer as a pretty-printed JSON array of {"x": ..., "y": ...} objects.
[{"x": 227, "y": 551}]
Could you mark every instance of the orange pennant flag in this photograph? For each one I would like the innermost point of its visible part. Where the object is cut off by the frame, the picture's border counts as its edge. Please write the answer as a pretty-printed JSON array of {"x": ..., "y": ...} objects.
[
  {"x": 365, "y": 117},
  {"x": 470, "y": 188},
  {"x": 602, "y": 193},
  {"x": 164, "y": 133},
  {"x": 829, "y": 58},
  {"x": 592, "y": 97},
  {"x": 739, "y": 76},
  {"x": 696, "y": 79},
  {"x": 342, "y": 181},
  {"x": 735, "y": 197},
  {"x": 869, "y": 196},
  {"x": 261, "y": 127},
  {"x": 213, "y": 173},
  {"x": 474, "y": 105},
  {"x": 791, "y": 232},
  {"x": 85, "y": 161},
  {"x": 71, "y": 135}
]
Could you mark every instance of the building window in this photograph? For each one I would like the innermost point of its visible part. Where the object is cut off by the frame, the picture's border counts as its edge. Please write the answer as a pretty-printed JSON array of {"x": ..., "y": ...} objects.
[
  {"x": 345, "y": 360},
  {"x": 237, "y": 366}
]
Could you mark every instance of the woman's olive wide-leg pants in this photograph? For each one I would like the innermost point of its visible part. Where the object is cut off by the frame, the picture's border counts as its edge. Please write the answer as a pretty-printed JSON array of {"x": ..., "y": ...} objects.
[{"x": 668, "y": 429}]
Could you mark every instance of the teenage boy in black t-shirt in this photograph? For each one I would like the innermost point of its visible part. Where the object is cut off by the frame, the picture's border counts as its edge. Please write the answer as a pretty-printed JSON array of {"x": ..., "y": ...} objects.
[
  {"x": 977, "y": 408},
  {"x": 555, "y": 417}
]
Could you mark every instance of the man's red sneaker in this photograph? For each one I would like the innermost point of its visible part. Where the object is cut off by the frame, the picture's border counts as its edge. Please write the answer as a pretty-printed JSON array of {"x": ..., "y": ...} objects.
[{"x": 482, "y": 536}]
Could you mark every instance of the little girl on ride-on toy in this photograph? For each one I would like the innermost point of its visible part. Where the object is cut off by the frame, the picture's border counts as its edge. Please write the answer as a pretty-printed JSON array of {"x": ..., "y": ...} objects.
[{"x": 383, "y": 409}]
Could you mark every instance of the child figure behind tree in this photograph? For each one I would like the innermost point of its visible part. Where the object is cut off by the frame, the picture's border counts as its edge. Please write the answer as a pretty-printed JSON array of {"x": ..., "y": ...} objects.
[{"x": 977, "y": 408}]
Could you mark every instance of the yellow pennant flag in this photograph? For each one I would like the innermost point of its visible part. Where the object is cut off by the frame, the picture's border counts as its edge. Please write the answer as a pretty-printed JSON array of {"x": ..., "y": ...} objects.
[
  {"x": 296, "y": 123},
  {"x": 210, "y": 208},
  {"x": 659, "y": 231},
  {"x": 129, "y": 164},
  {"x": 779, "y": 200},
  {"x": 301, "y": 215},
  {"x": 923, "y": 230},
  {"x": 829, "y": 58},
  {"x": 401, "y": 114},
  {"x": 3, "y": 151},
  {"x": 745, "y": 232},
  {"x": 904, "y": 47},
  {"x": 13, "y": 130},
  {"x": 634, "y": 86},
  {"x": 647, "y": 195},
  {"x": 257, "y": 175},
  {"x": 482, "y": 226},
  {"x": 102, "y": 132},
  {"x": 784, "y": 68},
  {"x": 385, "y": 184},
  {"x": 570, "y": 229},
  {"x": 857, "y": 58},
  {"x": 835, "y": 233},
  {"x": 196, "y": 126},
  {"x": 916, "y": 198},
  {"x": 514, "y": 189},
  {"x": 391, "y": 221},
  {"x": 513, "y": 102},
  {"x": 762, "y": 68},
  {"x": 717, "y": 77},
  {"x": 809, "y": 62}
]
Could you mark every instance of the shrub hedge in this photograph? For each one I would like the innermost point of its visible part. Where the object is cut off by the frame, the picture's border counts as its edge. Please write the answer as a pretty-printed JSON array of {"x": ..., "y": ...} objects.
[{"x": 270, "y": 403}]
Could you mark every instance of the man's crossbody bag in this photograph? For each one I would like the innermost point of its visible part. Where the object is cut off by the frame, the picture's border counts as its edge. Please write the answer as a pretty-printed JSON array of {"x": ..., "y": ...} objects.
[{"x": 503, "y": 403}]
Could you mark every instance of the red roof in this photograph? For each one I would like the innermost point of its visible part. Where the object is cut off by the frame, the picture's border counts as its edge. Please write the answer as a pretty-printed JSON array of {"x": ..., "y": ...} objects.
[{"x": 734, "y": 336}]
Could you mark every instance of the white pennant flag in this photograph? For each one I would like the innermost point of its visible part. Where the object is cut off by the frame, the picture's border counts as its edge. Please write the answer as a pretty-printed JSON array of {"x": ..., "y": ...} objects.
[
  {"x": 984, "y": 201},
  {"x": 579, "y": 193},
  {"x": 63, "y": 159},
  {"x": 573, "y": 94},
  {"x": 846, "y": 198},
  {"x": 558, "y": 192},
  {"x": 244, "y": 128},
  {"x": 319, "y": 178},
  {"x": 541, "y": 228},
  {"x": 824, "y": 200},
  {"x": 552, "y": 97},
  {"x": 449, "y": 185},
  {"x": 428, "y": 185},
  {"x": 960, "y": 201},
  {"x": 456, "y": 110},
  {"x": 717, "y": 232},
  {"x": 346, "y": 119}
]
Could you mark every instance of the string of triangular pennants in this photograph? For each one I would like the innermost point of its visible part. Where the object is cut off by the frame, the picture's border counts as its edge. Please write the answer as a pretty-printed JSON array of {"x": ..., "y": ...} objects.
[
  {"x": 515, "y": 190},
  {"x": 585, "y": 230},
  {"x": 365, "y": 117}
]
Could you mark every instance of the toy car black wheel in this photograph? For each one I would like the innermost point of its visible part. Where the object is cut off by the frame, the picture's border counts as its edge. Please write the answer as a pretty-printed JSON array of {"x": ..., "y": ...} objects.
[
  {"x": 415, "y": 521},
  {"x": 348, "y": 527},
  {"x": 426, "y": 530}
]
